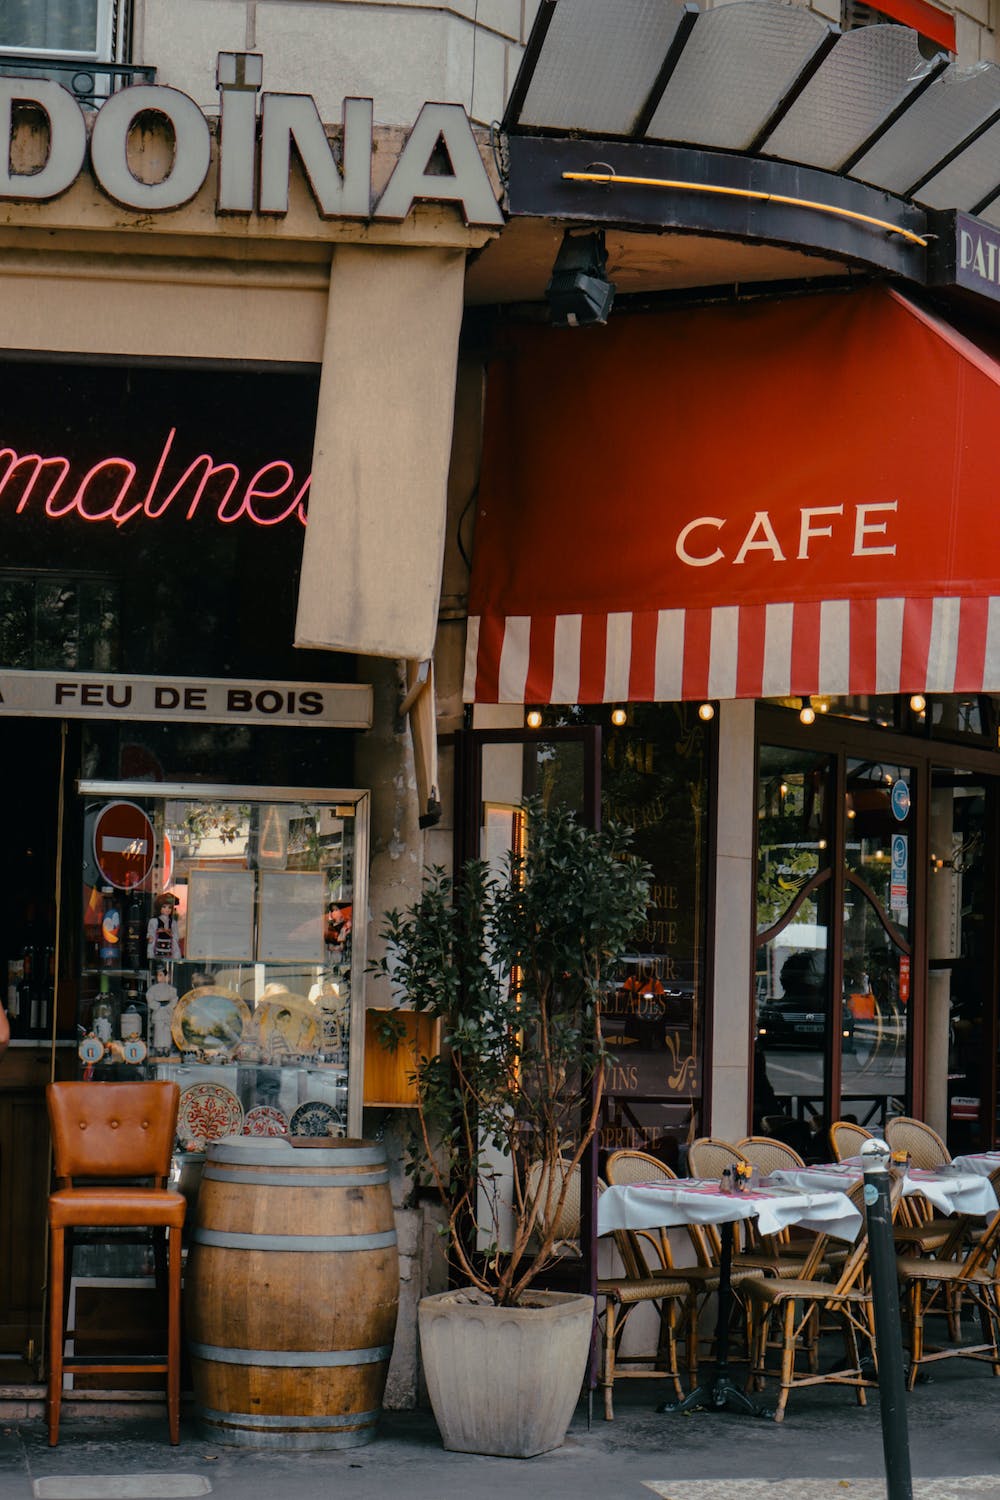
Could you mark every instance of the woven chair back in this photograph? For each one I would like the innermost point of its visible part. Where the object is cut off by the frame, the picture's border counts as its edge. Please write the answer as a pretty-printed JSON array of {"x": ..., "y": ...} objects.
[
  {"x": 625, "y": 1167},
  {"x": 846, "y": 1139},
  {"x": 925, "y": 1146},
  {"x": 708, "y": 1157},
  {"x": 767, "y": 1154},
  {"x": 565, "y": 1222}
]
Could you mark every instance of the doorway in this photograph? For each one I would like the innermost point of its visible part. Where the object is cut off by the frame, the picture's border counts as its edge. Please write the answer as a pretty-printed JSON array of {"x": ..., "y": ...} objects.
[
  {"x": 28, "y": 854},
  {"x": 875, "y": 976}
]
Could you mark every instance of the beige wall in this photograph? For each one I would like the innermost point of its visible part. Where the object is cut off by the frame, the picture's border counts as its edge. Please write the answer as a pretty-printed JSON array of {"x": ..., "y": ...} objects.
[{"x": 397, "y": 52}]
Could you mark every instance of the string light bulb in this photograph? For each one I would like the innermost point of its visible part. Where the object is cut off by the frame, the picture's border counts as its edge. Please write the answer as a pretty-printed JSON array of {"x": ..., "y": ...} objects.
[
  {"x": 706, "y": 711},
  {"x": 807, "y": 713},
  {"x": 619, "y": 716},
  {"x": 918, "y": 703},
  {"x": 533, "y": 718}
]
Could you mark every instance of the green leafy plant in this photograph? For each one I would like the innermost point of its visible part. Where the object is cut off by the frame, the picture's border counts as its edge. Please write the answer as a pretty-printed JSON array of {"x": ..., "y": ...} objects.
[{"x": 513, "y": 965}]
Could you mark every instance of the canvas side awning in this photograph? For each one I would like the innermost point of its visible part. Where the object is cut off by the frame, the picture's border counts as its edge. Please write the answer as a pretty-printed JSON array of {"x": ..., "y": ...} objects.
[{"x": 761, "y": 499}]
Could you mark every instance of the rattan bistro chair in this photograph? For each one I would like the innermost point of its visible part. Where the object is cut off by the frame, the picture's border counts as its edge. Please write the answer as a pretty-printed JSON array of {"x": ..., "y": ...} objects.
[
  {"x": 925, "y": 1146},
  {"x": 701, "y": 1280},
  {"x": 767, "y": 1154},
  {"x": 938, "y": 1286},
  {"x": 104, "y": 1137},
  {"x": 799, "y": 1303},
  {"x": 708, "y": 1156},
  {"x": 846, "y": 1139}
]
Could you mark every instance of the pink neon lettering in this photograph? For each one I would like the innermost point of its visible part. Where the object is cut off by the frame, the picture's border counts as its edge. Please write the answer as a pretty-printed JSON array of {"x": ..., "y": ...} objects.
[
  {"x": 111, "y": 512},
  {"x": 255, "y": 492},
  {"x": 14, "y": 462},
  {"x": 201, "y": 471},
  {"x": 147, "y": 504}
]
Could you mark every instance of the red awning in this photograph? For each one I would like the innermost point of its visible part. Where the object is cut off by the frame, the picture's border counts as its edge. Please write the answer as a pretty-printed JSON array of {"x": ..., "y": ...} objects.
[{"x": 756, "y": 500}]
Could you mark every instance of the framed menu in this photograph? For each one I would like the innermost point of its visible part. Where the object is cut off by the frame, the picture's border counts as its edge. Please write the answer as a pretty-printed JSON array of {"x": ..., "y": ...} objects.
[
  {"x": 292, "y": 909},
  {"x": 220, "y": 914}
]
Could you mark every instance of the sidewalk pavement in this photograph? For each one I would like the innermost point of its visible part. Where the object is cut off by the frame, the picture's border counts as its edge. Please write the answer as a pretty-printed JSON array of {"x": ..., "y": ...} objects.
[{"x": 826, "y": 1449}]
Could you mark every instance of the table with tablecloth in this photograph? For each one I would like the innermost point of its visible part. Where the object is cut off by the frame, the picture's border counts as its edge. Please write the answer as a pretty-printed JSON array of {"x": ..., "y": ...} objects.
[
  {"x": 952, "y": 1189},
  {"x": 983, "y": 1163},
  {"x": 775, "y": 1206}
]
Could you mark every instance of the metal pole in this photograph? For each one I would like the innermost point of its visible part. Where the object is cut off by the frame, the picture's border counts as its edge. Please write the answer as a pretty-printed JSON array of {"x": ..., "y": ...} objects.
[{"x": 888, "y": 1334}]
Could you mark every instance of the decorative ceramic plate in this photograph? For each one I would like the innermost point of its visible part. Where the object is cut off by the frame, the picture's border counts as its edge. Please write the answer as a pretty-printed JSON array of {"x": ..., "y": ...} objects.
[
  {"x": 207, "y": 1112},
  {"x": 209, "y": 1020},
  {"x": 316, "y": 1117},
  {"x": 290, "y": 1025},
  {"x": 264, "y": 1119}
]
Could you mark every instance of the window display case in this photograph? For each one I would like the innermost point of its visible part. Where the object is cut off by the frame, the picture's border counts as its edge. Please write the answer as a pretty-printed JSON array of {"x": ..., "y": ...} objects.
[{"x": 218, "y": 949}]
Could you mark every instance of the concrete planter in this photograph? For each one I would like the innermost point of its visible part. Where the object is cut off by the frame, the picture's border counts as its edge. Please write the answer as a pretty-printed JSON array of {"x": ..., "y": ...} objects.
[{"x": 505, "y": 1380}]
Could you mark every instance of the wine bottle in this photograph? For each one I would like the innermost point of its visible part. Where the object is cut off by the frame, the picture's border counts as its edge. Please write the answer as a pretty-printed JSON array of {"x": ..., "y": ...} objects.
[{"x": 133, "y": 934}]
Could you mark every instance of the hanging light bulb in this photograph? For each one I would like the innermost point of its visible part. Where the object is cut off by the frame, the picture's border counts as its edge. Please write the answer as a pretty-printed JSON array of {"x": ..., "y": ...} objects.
[
  {"x": 533, "y": 718},
  {"x": 619, "y": 716},
  {"x": 918, "y": 703},
  {"x": 706, "y": 711},
  {"x": 807, "y": 713}
]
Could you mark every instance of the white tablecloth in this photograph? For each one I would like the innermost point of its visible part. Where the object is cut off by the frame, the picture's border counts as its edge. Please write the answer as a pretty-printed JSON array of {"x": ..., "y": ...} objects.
[
  {"x": 654, "y": 1205},
  {"x": 980, "y": 1162},
  {"x": 951, "y": 1192}
]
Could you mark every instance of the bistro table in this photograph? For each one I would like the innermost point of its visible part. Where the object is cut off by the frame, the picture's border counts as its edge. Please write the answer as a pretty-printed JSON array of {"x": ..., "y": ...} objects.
[
  {"x": 980, "y": 1162},
  {"x": 952, "y": 1189},
  {"x": 776, "y": 1206}
]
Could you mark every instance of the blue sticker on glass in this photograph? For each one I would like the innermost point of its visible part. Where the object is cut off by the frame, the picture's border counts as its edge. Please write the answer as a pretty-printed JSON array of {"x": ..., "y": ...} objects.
[
  {"x": 871, "y": 1193},
  {"x": 899, "y": 799}
]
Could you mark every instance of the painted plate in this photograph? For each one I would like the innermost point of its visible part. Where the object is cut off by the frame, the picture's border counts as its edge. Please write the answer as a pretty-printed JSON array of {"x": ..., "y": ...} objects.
[
  {"x": 290, "y": 1025},
  {"x": 209, "y": 1020},
  {"x": 316, "y": 1117},
  {"x": 207, "y": 1112},
  {"x": 264, "y": 1119}
]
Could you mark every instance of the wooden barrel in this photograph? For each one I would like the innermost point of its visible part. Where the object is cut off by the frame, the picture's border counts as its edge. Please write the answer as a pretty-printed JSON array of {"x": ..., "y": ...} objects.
[{"x": 291, "y": 1292}]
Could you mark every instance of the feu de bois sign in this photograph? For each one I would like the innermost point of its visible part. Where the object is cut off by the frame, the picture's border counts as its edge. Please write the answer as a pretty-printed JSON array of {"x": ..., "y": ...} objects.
[{"x": 246, "y": 183}]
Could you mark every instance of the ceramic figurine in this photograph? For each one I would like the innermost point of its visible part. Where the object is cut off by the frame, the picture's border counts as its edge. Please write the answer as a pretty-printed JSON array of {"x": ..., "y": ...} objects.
[{"x": 161, "y": 998}]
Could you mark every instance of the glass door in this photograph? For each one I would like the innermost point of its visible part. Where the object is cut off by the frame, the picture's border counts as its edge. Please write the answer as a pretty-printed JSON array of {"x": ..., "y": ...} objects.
[
  {"x": 835, "y": 895},
  {"x": 877, "y": 950},
  {"x": 795, "y": 1019},
  {"x": 961, "y": 960}
]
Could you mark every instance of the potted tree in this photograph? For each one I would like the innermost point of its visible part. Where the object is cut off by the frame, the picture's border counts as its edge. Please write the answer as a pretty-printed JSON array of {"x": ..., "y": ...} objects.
[{"x": 512, "y": 963}]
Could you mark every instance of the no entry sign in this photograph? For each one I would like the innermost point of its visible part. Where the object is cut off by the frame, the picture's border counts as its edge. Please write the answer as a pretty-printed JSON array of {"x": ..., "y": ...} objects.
[{"x": 124, "y": 844}]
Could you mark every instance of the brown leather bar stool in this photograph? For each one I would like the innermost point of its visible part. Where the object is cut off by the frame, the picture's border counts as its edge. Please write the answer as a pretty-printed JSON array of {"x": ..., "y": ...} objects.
[{"x": 104, "y": 1137}]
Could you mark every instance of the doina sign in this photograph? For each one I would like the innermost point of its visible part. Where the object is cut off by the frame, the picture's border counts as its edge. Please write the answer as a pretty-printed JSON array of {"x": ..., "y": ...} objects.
[{"x": 247, "y": 184}]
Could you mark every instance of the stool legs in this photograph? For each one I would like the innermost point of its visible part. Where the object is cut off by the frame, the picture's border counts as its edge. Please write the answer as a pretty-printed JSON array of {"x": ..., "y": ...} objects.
[
  {"x": 174, "y": 1335},
  {"x": 57, "y": 1262},
  {"x": 57, "y": 1333}
]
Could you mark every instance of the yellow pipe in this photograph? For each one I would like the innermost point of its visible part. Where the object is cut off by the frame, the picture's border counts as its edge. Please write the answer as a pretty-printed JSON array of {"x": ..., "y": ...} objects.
[{"x": 706, "y": 187}]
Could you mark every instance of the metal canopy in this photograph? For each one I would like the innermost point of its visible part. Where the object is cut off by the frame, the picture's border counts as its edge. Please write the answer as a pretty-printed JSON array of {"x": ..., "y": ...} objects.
[{"x": 769, "y": 80}]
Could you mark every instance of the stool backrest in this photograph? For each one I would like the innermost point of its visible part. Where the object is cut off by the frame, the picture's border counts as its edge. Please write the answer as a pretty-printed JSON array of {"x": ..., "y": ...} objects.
[{"x": 108, "y": 1130}]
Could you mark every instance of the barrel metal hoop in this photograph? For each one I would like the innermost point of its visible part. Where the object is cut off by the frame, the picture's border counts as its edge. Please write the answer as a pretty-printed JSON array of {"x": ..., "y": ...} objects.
[
  {"x": 242, "y": 1155},
  {"x": 291, "y": 1358},
  {"x": 294, "y": 1179},
  {"x": 253, "y": 1419},
  {"x": 301, "y": 1243}
]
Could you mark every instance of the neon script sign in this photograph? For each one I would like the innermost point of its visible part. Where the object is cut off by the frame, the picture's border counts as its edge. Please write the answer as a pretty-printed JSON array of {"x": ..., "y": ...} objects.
[{"x": 113, "y": 490}]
